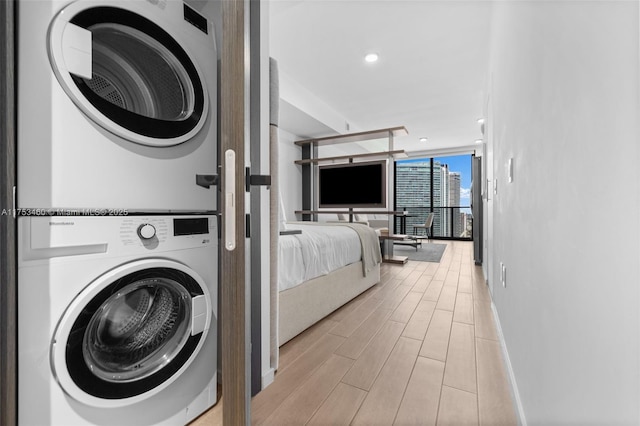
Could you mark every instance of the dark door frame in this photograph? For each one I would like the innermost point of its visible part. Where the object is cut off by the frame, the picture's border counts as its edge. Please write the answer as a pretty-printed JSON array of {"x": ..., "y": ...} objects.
[
  {"x": 256, "y": 208},
  {"x": 8, "y": 265}
]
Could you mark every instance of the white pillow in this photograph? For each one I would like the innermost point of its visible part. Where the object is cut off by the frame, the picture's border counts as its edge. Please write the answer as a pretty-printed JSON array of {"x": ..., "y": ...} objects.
[
  {"x": 342, "y": 217},
  {"x": 361, "y": 218}
]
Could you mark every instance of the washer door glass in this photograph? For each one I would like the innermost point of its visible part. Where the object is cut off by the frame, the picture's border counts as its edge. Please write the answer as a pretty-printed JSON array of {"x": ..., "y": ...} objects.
[
  {"x": 140, "y": 84},
  {"x": 133, "y": 335},
  {"x": 138, "y": 330}
]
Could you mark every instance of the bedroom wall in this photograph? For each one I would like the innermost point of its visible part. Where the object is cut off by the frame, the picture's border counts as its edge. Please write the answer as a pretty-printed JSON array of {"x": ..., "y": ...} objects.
[
  {"x": 290, "y": 173},
  {"x": 300, "y": 98},
  {"x": 565, "y": 107}
]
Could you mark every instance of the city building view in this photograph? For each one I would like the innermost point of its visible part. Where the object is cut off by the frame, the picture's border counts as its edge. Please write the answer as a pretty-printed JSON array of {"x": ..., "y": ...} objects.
[{"x": 438, "y": 185}]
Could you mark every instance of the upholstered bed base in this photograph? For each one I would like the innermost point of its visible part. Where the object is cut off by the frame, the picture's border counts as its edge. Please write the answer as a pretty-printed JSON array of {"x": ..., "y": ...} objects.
[{"x": 306, "y": 304}]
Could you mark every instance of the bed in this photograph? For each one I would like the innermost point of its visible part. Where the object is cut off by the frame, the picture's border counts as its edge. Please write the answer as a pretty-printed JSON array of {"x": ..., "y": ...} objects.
[{"x": 320, "y": 269}]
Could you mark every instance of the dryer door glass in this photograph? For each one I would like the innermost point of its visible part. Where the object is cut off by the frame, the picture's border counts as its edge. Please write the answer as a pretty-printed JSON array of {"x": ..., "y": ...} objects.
[
  {"x": 141, "y": 83},
  {"x": 137, "y": 73}
]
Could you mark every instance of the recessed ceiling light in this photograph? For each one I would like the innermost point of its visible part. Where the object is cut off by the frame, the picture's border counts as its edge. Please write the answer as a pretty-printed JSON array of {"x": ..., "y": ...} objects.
[
  {"x": 480, "y": 120},
  {"x": 371, "y": 57},
  {"x": 479, "y": 141},
  {"x": 423, "y": 139}
]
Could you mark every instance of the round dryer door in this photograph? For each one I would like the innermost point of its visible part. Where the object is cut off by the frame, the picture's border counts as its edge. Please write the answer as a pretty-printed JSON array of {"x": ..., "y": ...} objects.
[
  {"x": 128, "y": 74},
  {"x": 131, "y": 332}
]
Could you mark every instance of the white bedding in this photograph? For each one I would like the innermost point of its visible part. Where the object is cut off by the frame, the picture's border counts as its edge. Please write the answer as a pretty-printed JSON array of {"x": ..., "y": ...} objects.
[{"x": 317, "y": 251}]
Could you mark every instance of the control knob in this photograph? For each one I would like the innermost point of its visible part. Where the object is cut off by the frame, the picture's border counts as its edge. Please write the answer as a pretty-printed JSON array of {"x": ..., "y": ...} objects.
[{"x": 146, "y": 231}]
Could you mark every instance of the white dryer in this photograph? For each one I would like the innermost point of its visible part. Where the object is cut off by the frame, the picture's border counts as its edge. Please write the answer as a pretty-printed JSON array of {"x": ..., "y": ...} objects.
[
  {"x": 117, "y": 319},
  {"x": 117, "y": 105}
]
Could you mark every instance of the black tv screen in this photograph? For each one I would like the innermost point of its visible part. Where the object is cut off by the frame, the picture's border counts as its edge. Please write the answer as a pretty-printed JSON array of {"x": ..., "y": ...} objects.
[{"x": 353, "y": 185}]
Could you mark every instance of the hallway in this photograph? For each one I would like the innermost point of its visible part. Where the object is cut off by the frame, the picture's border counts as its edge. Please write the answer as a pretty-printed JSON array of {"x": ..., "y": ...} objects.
[{"x": 419, "y": 348}]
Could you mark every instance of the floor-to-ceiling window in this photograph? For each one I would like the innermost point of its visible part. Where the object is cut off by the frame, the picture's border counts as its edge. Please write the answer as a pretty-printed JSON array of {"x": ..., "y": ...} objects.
[{"x": 438, "y": 185}]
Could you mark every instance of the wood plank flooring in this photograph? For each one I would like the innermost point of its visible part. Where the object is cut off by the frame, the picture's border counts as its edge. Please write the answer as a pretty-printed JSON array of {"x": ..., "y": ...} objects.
[{"x": 419, "y": 348}]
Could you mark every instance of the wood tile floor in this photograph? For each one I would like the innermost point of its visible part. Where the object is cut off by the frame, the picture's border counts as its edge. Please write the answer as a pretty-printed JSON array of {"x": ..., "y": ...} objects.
[{"x": 419, "y": 348}]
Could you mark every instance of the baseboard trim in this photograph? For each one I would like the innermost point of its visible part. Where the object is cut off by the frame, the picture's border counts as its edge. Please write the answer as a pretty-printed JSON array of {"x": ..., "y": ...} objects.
[
  {"x": 268, "y": 377},
  {"x": 507, "y": 362}
]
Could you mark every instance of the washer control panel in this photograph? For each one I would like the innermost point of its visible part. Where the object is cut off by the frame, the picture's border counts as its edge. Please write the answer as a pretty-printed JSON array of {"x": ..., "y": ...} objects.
[
  {"x": 162, "y": 232},
  {"x": 47, "y": 237}
]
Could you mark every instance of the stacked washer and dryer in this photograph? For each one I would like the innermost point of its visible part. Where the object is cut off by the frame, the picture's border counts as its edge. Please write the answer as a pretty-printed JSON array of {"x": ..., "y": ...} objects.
[{"x": 117, "y": 238}]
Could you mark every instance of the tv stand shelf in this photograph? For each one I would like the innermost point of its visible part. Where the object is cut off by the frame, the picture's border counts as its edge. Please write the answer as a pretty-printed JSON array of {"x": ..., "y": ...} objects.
[
  {"x": 382, "y": 154},
  {"x": 356, "y": 137},
  {"x": 391, "y": 213},
  {"x": 311, "y": 160}
]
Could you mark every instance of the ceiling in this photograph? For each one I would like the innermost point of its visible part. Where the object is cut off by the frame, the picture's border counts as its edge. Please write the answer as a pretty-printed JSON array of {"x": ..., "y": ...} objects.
[{"x": 431, "y": 76}]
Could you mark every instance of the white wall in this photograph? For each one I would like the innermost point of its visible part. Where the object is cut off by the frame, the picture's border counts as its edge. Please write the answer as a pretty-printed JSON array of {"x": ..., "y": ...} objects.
[
  {"x": 267, "y": 372},
  {"x": 290, "y": 174},
  {"x": 565, "y": 107},
  {"x": 304, "y": 100}
]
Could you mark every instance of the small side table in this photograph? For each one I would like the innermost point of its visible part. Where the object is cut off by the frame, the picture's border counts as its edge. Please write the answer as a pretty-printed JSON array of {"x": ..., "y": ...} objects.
[
  {"x": 403, "y": 221},
  {"x": 386, "y": 242}
]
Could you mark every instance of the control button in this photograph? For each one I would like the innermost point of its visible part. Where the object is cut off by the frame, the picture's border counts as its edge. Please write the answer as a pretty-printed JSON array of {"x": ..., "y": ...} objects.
[{"x": 146, "y": 231}]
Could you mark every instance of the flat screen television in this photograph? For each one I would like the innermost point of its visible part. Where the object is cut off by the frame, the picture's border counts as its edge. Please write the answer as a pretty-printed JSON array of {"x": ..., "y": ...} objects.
[{"x": 353, "y": 185}]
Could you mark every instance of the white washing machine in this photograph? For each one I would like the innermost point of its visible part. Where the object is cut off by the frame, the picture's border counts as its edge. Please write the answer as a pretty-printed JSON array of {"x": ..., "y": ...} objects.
[
  {"x": 117, "y": 105},
  {"x": 117, "y": 321}
]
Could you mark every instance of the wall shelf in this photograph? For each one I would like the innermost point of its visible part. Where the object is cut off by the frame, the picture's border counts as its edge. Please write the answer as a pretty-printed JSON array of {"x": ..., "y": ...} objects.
[
  {"x": 382, "y": 154},
  {"x": 310, "y": 161},
  {"x": 356, "y": 137},
  {"x": 344, "y": 211}
]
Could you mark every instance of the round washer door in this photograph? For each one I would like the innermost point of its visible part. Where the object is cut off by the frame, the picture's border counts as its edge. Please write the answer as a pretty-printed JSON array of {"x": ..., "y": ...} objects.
[
  {"x": 128, "y": 74},
  {"x": 131, "y": 332}
]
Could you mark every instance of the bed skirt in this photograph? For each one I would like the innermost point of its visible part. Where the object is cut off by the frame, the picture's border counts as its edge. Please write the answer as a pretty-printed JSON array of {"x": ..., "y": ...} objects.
[{"x": 304, "y": 305}]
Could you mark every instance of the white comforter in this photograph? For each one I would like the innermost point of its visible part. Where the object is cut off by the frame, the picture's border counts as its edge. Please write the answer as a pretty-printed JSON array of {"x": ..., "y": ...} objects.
[{"x": 317, "y": 251}]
